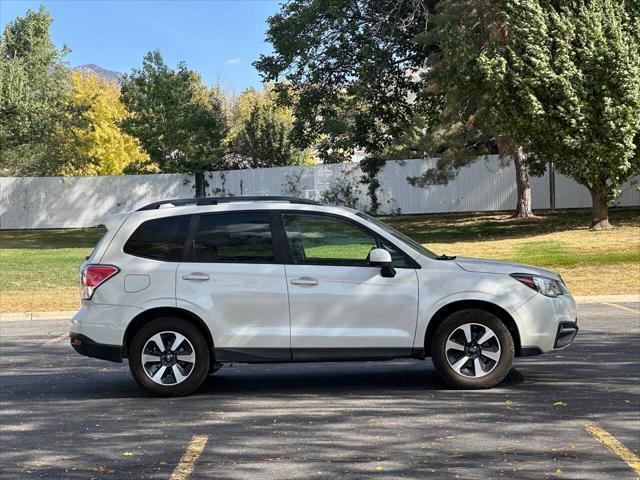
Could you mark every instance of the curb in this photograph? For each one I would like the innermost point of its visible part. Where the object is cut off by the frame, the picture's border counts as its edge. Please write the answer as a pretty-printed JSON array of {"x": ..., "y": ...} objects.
[
  {"x": 66, "y": 315},
  {"x": 22, "y": 316},
  {"x": 631, "y": 298}
]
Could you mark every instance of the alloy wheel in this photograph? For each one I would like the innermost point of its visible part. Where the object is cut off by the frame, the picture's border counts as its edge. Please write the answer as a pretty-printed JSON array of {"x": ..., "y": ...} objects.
[
  {"x": 168, "y": 358},
  {"x": 472, "y": 350}
]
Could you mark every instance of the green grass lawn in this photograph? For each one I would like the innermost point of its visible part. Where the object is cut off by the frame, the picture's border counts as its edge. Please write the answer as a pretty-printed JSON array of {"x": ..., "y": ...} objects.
[{"x": 38, "y": 268}]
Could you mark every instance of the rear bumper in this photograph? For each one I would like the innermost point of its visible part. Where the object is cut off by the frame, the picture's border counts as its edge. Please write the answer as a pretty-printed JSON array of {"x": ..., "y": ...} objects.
[{"x": 87, "y": 347}]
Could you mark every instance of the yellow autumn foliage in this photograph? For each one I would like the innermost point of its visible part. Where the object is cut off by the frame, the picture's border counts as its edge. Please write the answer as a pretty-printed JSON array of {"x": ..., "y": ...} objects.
[{"x": 100, "y": 146}]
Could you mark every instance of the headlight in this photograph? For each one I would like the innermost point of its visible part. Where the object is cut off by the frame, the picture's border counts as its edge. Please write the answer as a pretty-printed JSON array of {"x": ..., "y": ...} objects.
[{"x": 546, "y": 286}]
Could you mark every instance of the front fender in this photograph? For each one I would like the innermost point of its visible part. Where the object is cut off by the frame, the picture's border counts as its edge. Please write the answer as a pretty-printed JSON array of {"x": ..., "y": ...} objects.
[{"x": 499, "y": 290}]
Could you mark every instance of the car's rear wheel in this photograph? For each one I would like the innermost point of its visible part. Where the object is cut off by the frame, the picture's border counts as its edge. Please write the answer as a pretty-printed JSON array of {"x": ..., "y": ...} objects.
[
  {"x": 169, "y": 356},
  {"x": 472, "y": 349}
]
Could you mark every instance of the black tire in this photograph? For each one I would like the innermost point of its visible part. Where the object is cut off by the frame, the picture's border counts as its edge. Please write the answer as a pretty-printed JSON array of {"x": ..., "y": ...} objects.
[
  {"x": 497, "y": 371},
  {"x": 198, "y": 372}
]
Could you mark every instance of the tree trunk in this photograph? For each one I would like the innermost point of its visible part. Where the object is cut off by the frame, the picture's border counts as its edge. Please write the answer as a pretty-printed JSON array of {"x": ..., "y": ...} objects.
[
  {"x": 523, "y": 208},
  {"x": 599, "y": 210}
]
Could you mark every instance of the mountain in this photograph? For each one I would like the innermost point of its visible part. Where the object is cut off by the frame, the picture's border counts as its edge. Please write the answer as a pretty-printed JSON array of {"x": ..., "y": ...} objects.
[{"x": 101, "y": 72}]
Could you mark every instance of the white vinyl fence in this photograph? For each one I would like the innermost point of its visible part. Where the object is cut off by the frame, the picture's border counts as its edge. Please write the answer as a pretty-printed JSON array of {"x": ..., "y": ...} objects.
[
  {"x": 61, "y": 202},
  {"x": 486, "y": 185}
]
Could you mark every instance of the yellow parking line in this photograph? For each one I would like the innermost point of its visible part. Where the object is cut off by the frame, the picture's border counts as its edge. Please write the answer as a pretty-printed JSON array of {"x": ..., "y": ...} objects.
[
  {"x": 188, "y": 461},
  {"x": 55, "y": 340},
  {"x": 637, "y": 312},
  {"x": 614, "y": 445}
]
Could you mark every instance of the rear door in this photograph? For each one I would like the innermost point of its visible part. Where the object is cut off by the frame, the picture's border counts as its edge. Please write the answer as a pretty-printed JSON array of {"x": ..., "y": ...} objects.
[{"x": 233, "y": 278}]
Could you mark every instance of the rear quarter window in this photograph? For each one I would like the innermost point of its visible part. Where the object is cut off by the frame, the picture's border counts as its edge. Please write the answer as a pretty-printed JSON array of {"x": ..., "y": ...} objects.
[{"x": 159, "y": 239}]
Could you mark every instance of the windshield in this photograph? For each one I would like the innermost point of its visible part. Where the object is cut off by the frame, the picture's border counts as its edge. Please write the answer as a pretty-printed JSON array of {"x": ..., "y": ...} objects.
[{"x": 400, "y": 236}]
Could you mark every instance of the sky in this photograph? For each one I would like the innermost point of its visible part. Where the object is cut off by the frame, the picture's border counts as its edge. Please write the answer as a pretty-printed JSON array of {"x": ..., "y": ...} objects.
[{"x": 218, "y": 38}]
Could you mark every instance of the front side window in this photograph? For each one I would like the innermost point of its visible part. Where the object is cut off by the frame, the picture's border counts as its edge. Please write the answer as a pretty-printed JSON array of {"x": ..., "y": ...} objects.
[
  {"x": 159, "y": 239},
  {"x": 323, "y": 240},
  {"x": 400, "y": 236},
  {"x": 243, "y": 237}
]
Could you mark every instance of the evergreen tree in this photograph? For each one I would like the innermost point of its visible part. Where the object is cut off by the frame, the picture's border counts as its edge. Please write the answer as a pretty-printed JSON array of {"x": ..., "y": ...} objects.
[{"x": 566, "y": 82}]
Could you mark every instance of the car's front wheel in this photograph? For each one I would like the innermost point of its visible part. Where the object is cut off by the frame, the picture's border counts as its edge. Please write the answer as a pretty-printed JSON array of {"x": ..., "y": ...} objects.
[
  {"x": 169, "y": 357},
  {"x": 472, "y": 349}
]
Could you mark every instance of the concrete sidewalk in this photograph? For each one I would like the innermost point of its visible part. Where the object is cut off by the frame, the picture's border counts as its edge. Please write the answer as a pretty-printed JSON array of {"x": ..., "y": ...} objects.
[{"x": 64, "y": 315}]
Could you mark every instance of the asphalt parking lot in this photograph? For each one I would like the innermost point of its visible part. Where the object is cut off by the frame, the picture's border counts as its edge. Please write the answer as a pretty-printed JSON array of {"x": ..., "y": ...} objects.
[{"x": 67, "y": 416}]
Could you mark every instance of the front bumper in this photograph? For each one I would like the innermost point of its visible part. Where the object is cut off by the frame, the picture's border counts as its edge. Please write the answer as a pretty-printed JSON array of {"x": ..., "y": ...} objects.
[
  {"x": 546, "y": 324},
  {"x": 87, "y": 347}
]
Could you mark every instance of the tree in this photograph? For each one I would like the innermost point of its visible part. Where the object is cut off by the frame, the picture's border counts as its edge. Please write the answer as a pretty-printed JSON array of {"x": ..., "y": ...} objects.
[
  {"x": 100, "y": 147},
  {"x": 361, "y": 79},
  {"x": 261, "y": 132},
  {"x": 34, "y": 84},
  {"x": 458, "y": 34},
  {"x": 179, "y": 121},
  {"x": 571, "y": 73},
  {"x": 350, "y": 70}
]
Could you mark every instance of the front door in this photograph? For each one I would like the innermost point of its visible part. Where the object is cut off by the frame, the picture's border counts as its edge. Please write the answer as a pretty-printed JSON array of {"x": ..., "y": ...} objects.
[
  {"x": 233, "y": 280},
  {"x": 340, "y": 306}
]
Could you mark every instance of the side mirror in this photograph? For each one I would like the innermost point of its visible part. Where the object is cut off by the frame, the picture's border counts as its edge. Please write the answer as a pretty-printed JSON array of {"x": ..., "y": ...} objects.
[{"x": 379, "y": 257}]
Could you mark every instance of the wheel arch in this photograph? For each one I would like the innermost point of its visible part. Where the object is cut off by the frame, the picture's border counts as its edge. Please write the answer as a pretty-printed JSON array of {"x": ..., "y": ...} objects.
[
  {"x": 456, "y": 306},
  {"x": 148, "y": 315}
]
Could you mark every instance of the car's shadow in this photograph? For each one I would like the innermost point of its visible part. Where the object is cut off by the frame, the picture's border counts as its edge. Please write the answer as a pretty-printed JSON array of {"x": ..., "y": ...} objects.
[
  {"x": 94, "y": 379},
  {"x": 336, "y": 379}
]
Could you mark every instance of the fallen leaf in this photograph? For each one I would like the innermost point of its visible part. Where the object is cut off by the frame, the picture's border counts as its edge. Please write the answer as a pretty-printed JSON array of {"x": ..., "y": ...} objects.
[
  {"x": 560, "y": 403},
  {"x": 127, "y": 453},
  {"x": 102, "y": 469},
  {"x": 379, "y": 468}
]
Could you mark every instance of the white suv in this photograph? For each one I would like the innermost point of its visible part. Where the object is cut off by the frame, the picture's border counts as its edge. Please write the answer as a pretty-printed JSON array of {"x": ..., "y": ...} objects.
[{"x": 181, "y": 287}]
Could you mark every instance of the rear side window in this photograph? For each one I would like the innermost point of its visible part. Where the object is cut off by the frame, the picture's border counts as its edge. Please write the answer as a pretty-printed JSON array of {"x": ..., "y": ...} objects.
[
  {"x": 160, "y": 239},
  {"x": 243, "y": 237}
]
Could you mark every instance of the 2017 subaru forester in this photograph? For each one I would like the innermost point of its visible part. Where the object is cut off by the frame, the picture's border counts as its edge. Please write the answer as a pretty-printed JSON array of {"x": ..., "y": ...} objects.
[{"x": 181, "y": 287}]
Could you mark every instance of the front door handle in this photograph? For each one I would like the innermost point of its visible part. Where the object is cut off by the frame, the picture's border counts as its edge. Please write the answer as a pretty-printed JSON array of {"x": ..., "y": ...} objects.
[
  {"x": 305, "y": 281},
  {"x": 197, "y": 276}
]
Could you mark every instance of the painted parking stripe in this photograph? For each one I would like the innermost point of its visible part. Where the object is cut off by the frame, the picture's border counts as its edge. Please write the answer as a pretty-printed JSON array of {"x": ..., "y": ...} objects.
[
  {"x": 614, "y": 445},
  {"x": 51, "y": 341},
  {"x": 633, "y": 310},
  {"x": 188, "y": 461}
]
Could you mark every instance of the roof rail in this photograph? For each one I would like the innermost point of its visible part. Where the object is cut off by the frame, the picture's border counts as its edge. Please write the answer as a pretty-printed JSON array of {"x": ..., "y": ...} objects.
[{"x": 216, "y": 200}]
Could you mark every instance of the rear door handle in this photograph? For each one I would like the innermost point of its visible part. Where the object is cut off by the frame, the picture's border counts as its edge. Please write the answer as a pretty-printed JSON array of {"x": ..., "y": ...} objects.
[
  {"x": 305, "y": 281},
  {"x": 196, "y": 276}
]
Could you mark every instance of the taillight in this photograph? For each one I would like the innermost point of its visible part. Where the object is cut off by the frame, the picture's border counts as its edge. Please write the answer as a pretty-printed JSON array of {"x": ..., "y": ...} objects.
[{"x": 92, "y": 276}]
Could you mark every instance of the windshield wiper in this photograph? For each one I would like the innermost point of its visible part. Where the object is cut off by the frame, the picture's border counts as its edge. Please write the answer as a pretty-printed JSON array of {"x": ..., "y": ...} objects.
[{"x": 445, "y": 257}]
